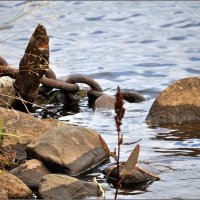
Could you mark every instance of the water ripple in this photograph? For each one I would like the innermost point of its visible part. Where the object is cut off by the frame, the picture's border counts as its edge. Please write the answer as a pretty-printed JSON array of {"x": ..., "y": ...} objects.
[
  {"x": 178, "y": 38},
  {"x": 154, "y": 64},
  {"x": 173, "y": 23},
  {"x": 190, "y": 25},
  {"x": 98, "y": 18},
  {"x": 148, "y": 41},
  {"x": 136, "y": 15},
  {"x": 192, "y": 71},
  {"x": 119, "y": 19},
  {"x": 97, "y": 32},
  {"x": 194, "y": 58}
]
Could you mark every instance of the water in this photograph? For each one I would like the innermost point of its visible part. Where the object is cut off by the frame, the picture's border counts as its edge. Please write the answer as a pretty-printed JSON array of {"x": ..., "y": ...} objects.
[{"x": 142, "y": 46}]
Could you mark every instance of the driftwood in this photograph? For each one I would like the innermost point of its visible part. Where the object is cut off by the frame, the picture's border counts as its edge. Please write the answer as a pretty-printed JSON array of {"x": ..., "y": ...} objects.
[{"x": 32, "y": 67}]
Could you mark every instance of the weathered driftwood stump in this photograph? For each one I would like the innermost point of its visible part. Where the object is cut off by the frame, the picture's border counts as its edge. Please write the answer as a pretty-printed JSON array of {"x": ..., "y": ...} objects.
[{"x": 32, "y": 67}]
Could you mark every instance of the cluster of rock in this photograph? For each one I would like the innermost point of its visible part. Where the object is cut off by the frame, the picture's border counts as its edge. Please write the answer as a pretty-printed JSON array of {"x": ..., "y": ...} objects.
[
  {"x": 63, "y": 148},
  {"x": 53, "y": 148},
  {"x": 55, "y": 153}
]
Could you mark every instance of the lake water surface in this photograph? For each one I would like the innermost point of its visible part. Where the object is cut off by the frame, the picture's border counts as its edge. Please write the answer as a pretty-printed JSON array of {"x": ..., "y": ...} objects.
[{"x": 141, "y": 46}]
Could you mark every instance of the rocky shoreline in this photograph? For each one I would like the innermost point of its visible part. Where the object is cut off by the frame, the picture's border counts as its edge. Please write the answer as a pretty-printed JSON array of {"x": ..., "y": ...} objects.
[
  {"x": 51, "y": 153},
  {"x": 47, "y": 156}
]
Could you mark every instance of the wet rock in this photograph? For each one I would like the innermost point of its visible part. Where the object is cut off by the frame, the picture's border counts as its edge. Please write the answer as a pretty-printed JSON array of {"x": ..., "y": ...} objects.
[
  {"x": 134, "y": 179},
  {"x": 133, "y": 97},
  {"x": 57, "y": 186},
  {"x": 70, "y": 149},
  {"x": 7, "y": 91},
  {"x": 105, "y": 101},
  {"x": 24, "y": 127},
  {"x": 178, "y": 103},
  {"x": 108, "y": 102},
  {"x": 14, "y": 187},
  {"x": 31, "y": 172}
]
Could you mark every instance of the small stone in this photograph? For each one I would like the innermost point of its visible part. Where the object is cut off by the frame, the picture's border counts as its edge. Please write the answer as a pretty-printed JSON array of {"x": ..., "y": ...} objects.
[
  {"x": 31, "y": 172},
  {"x": 130, "y": 179},
  {"x": 105, "y": 101}
]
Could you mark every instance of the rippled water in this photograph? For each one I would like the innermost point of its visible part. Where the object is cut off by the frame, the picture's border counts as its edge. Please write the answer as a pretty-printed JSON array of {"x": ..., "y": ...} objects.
[{"x": 142, "y": 46}]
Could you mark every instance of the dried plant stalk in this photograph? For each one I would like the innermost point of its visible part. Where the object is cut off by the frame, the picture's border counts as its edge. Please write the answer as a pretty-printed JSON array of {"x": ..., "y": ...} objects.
[{"x": 119, "y": 110}]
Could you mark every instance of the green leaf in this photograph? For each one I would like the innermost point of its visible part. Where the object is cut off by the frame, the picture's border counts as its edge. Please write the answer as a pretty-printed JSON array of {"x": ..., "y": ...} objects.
[{"x": 133, "y": 158}]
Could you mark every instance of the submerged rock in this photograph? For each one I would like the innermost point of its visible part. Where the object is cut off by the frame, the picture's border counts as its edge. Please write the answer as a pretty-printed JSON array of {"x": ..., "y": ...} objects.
[
  {"x": 31, "y": 172},
  {"x": 108, "y": 102},
  {"x": 178, "y": 103},
  {"x": 70, "y": 149},
  {"x": 55, "y": 186},
  {"x": 7, "y": 91},
  {"x": 14, "y": 187},
  {"x": 134, "y": 179},
  {"x": 105, "y": 101}
]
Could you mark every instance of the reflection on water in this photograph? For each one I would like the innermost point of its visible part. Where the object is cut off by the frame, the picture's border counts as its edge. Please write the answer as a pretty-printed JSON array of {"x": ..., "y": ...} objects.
[
  {"x": 141, "y": 46},
  {"x": 185, "y": 140}
]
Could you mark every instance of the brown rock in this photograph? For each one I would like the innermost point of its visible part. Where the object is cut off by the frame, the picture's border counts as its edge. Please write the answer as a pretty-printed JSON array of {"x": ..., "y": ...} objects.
[
  {"x": 130, "y": 179},
  {"x": 65, "y": 187},
  {"x": 105, "y": 101},
  {"x": 24, "y": 127},
  {"x": 180, "y": 102},
  {"x": 31, "y": 172},
  {"x": 3, "y": 195},
  {"x": 14, "y": 187},
  {"x": 70, "y": 149}
]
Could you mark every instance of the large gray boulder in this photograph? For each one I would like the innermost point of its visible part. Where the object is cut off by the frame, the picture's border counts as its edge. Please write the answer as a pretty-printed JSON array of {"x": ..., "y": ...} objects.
[
  {"x": 14, "y": 187},
  {"x": 70, "y": 149},
  {"x": 31, "y": 172},
  {"x": 7, "y": 91},
  {"x": 57, "y": 186},
  {"x": 178, "y": 103}
]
